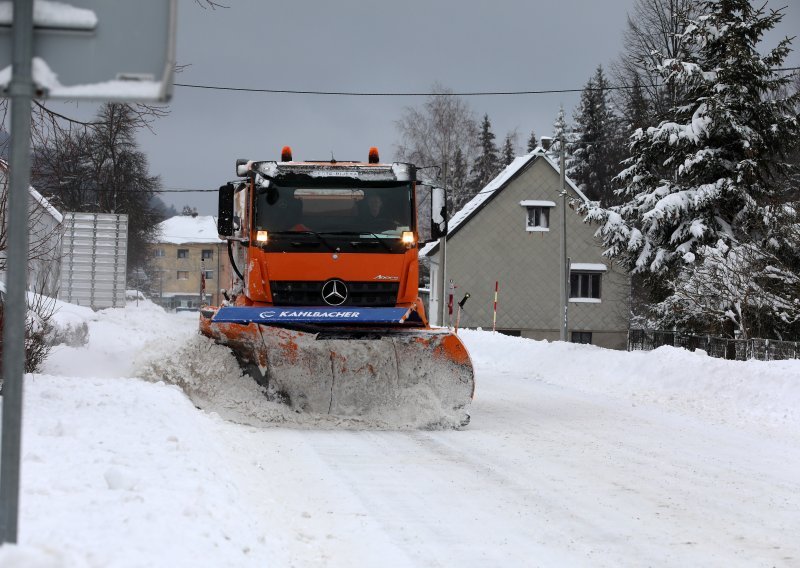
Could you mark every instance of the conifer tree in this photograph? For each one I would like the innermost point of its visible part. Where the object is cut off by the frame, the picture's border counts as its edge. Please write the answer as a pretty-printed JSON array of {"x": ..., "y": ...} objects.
[
  {"x": 637, "y": 110},
  {"x": 533, "y": 142},
  {"x": 706, "y": 191},
  {"x": 508, "y": 152},
  {"x": 560, "y": 133},
  {"x": 597, "y": 147},
  {"x": 487, "y": 164},
  {"x": 459, "y": 173}
]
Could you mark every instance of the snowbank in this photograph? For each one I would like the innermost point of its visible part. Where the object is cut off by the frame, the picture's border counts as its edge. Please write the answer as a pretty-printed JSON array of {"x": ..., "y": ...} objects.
[
  {"x": 123, "y": 472},
  {"x": 745, "y": 393}
]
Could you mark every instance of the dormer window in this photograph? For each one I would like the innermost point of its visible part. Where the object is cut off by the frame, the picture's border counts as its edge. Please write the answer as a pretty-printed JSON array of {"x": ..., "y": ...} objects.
[{"x": 538, "y": 214}]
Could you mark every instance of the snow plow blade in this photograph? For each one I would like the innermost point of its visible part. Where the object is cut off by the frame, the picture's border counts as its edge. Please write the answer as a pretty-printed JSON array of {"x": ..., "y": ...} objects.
[{"x": 320, "y": 366}]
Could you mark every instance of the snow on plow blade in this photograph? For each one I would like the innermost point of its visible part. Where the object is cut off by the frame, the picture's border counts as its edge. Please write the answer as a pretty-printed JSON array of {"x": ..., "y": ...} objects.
[{"x": 353, "y": 371}]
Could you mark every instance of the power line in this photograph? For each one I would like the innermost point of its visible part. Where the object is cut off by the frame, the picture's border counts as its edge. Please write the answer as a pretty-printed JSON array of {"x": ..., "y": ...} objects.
[
  {"x": 185, "y": 190},
  {"x": 413, "y": 93},
  {"x": 375, "y": 94}
]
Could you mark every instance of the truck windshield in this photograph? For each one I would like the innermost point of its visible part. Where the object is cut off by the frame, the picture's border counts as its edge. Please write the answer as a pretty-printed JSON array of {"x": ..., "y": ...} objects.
[{"x": 377, "y": 211}]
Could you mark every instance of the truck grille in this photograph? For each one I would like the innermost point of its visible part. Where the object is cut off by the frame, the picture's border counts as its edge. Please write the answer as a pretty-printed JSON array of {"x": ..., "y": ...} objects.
[{"x": 300, "y": 293}]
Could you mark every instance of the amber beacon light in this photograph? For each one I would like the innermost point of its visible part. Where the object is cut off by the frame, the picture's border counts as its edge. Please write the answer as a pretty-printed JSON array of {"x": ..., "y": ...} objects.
[{"x": 374, "y": 157}]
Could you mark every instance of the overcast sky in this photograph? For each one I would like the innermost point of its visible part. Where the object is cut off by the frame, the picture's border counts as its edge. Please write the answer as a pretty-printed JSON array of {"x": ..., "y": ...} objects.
[{"x": 368, "y": 45}]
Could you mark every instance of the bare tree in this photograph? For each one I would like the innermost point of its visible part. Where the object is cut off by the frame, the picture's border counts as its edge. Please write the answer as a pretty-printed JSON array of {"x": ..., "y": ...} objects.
[
  {"x": 654, "y": 33},
  {"x": 437, "y": 136},
  {"x": 101, "y": 170}
]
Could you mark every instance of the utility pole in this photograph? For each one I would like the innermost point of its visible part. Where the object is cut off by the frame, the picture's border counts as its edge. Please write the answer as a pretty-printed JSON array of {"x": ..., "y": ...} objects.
[
  {"x": 564, "y": 276},
  {"x": 442, "y": 284},
  {"x": 20, "y": 92}
]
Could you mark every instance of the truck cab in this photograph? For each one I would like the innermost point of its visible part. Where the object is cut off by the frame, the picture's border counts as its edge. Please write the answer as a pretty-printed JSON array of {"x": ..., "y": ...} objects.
[{"x": 324, "y": 233}]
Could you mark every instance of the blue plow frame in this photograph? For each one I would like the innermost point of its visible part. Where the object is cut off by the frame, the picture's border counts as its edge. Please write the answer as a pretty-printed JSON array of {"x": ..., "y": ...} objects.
[{"x": 311, "y": 315}]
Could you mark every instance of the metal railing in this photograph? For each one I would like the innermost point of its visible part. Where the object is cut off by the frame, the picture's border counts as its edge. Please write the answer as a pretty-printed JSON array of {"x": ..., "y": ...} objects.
[{"x": 720, "y": 347}]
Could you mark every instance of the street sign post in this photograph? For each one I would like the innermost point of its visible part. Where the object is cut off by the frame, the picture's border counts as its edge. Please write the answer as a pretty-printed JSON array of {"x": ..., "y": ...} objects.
[{"x": 106, "y": 50}]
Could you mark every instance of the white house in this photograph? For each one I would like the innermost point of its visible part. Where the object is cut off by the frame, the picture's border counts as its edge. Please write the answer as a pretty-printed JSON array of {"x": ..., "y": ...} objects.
[{"x": 45, "y": 226}]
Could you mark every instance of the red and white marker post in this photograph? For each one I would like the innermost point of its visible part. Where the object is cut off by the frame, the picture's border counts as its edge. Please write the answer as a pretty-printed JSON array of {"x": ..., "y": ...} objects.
[{"x": 494, "y": 316}]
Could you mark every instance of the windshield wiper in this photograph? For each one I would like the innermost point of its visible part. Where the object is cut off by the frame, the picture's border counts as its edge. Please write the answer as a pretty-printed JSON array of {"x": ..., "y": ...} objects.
[
  {"x": 360, "y": 233},
  {"x": 314, "y": 233}
]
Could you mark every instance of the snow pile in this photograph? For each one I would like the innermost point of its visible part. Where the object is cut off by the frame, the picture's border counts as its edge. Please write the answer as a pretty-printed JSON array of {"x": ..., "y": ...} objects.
[
  {"x": 210, "y": 376},
  {"x": 742, "y": 393},
  {"x": 70, "y": 324},
  {"x": 117, "y": 338}
]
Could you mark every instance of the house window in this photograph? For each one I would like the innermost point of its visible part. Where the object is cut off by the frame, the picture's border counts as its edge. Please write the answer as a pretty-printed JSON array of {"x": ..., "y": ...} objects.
[
  {"x": 183, "y": 275},
  {"x": 183, "y": 253},
  {"x": 584, "y": 286},
  {"x": 538, "y": 214},
  {"x": 207, "y": 254},
  {"x": 158, "y": 252},
  {"x": 209, "y": 274},
  {"x": 539, "y": 218},
  {"x": 582, "y": 337}
]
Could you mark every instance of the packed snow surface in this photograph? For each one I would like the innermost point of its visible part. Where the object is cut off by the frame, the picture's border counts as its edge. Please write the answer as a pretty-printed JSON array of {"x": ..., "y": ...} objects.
[{"x": 575, "y": 456}]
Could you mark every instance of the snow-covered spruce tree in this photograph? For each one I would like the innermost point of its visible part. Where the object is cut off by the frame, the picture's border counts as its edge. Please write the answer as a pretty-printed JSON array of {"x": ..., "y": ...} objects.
[
  {"x": 597, "y": 148},
  {"x": 739, "y": 289},
  {"x": 706, "y": 192},
  {"x": 560, "y": 132},
  {"x": 487, "y": 164}
]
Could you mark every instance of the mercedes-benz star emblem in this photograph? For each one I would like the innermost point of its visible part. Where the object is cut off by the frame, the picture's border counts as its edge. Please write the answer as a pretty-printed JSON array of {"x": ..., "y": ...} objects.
[{"x": 334, "y": 292}]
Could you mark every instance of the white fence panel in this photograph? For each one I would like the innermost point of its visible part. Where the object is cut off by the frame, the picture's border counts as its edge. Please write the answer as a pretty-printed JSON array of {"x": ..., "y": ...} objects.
[{"x": 94, "y": 263}]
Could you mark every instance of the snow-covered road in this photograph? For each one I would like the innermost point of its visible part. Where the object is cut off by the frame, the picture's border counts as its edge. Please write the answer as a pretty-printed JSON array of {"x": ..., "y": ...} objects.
[
  {"x": 547, "y": 476},
  {"x": 575, "y": 456}
]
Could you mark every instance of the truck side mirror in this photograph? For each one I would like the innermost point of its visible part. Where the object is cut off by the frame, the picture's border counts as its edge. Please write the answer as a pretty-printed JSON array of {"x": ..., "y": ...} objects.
[
  {"x": 438, "y": 212},
  {"x": 225, "y": 219}
]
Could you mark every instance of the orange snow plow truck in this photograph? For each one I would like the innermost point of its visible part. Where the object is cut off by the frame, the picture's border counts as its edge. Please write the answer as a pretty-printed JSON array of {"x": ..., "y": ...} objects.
[{"x": 326, "y": 313}]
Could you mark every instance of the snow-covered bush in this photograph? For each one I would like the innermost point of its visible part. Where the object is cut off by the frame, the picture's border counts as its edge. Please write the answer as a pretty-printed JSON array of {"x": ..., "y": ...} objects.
[
  {"x": 74, "y": 334},
  {"x": 38, "y": 328}
]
